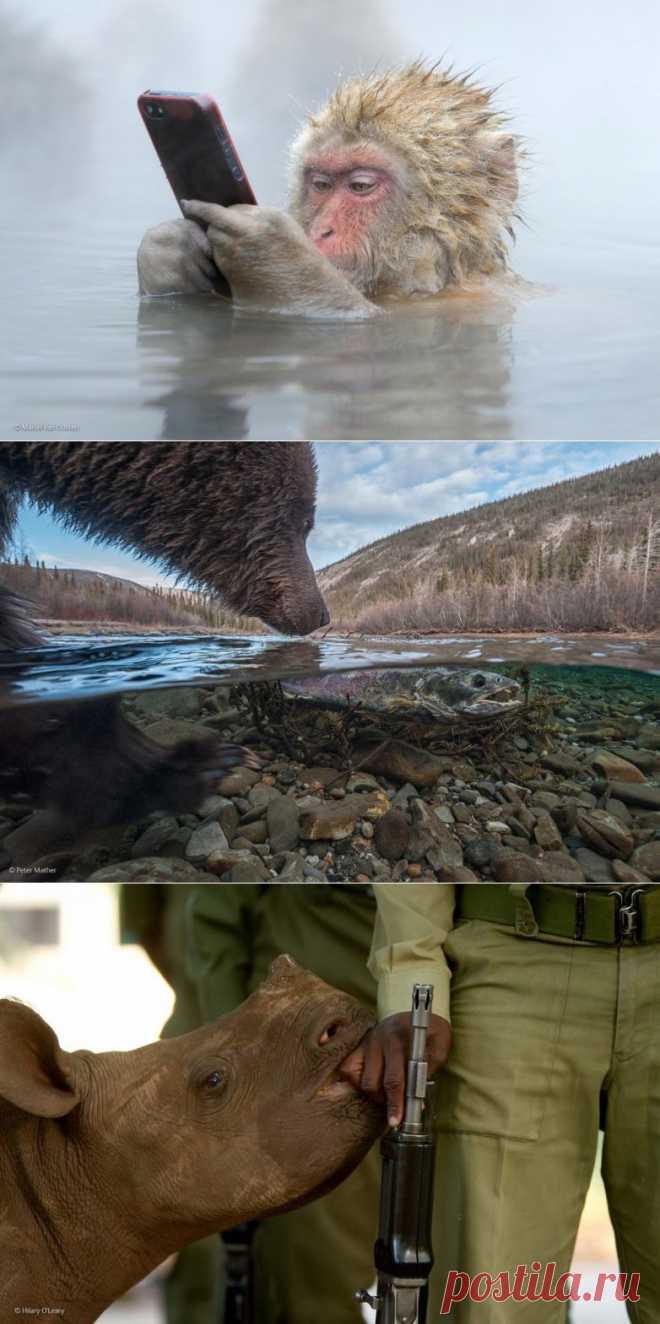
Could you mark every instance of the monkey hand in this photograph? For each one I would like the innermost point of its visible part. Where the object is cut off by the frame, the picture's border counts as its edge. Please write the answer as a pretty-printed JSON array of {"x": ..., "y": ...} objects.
[
  {"x": 176, "y": 258},
  {"x": 271, "y": 264}
]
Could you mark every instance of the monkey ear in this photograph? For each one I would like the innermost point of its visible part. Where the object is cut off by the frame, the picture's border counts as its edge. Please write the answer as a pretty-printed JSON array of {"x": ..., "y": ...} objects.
[
  {"x": 35, "y": 1074},
  {"x": 501, "y": 154}
]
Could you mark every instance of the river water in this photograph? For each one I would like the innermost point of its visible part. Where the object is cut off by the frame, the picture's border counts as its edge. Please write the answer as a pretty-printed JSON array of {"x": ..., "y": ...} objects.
[
  {"x": 74, "y": 667},
  {"x": 90, "y": 360}
]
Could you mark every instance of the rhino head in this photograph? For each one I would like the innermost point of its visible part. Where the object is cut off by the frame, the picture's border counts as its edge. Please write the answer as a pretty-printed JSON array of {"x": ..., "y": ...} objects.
[{"x": 111, "y": 1161}]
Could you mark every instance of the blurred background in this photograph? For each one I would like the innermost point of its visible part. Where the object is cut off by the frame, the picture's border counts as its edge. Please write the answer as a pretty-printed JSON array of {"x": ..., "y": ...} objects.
[
  {"x": 60, "y": 952},
  {"x": 83, "y": 184},
  {"x": 579, "y": 81}
]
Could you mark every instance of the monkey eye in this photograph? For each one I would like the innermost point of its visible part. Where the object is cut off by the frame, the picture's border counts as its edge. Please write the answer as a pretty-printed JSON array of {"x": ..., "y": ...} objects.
[
  {"x": 321, "y": 183},
  {"x": 362, "y": 184},
  {"x": 308, "y": 526}
]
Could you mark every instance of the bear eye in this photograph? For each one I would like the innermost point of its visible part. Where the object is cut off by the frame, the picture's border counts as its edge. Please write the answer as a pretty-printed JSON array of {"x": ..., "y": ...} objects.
[{"x": 214, "y": 1080}]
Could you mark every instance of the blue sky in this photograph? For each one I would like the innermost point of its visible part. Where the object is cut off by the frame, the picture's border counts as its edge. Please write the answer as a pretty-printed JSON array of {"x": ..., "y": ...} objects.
[{"x": 370, "y": 489}]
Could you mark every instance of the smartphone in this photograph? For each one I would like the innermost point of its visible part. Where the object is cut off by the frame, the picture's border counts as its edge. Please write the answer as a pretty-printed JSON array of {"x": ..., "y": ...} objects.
[{"x": 195, "y": 148}]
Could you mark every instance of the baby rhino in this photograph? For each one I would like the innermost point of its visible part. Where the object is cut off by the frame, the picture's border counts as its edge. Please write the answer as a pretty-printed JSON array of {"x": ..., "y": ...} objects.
[{"x": 109, "y": 1162}]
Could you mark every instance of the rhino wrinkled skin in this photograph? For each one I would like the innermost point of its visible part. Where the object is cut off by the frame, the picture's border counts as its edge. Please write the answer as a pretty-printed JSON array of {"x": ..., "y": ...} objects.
[{"x": 109, "y": 1162}]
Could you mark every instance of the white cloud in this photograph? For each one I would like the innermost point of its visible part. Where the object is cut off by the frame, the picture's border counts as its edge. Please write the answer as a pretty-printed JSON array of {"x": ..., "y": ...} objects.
[{"x": 369, "y": 490}]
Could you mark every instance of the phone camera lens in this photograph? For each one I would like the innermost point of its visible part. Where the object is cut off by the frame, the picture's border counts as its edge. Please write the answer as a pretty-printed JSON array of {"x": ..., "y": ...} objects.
[{"x": 150, "y": 109}]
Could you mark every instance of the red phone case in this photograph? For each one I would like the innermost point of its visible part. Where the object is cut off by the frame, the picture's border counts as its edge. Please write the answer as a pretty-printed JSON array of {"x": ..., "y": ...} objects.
[{"x": 195, "y": 147}]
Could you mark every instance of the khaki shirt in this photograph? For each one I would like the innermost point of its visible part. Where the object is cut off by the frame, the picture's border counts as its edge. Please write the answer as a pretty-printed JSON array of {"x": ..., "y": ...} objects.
[{"x": 412, "y": 923}]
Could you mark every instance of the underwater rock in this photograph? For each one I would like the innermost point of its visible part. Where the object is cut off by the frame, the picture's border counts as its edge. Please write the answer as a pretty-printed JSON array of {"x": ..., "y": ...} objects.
[
  {"x": 596, "y": 868},
  {"x": 632, "y": 793},
  {"x": 203, "y": 841},
  {"x": 615, "y": 768},
  {"x": 162, "y": 837},
  {"x": 335, "y": 819},
  {"x": 546, "y": 832},
  {"x": 401, "y": 762},
  {"x": 606, "y": 833},
  {"x": 392, "y": 834},
  {"x": 248, "y": 871},
  {"x": 157, "y": 869},
  {"x": 647, "y": 858},
  {"x": 283, "y": 818},
  {"x": 431, "y": 840},
  {"x": 255, "y": 833},
  {"x": 624, "y": 873},
  {"x": 220, "y": 861},
  {"x": 238, "y": 782},
  {"x": 178, "y": 702}
]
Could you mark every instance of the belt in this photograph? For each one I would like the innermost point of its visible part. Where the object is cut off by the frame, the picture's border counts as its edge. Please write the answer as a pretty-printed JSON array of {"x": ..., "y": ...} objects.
[{"x": 611, "y": 917}]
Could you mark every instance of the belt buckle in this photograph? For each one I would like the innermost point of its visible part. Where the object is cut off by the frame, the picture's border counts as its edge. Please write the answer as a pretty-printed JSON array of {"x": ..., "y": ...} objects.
[{"x": 627, "y": 914}]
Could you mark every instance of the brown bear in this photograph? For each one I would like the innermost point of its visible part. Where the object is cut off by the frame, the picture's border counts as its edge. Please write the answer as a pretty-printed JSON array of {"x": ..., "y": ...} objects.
[{"x": 231, "y": 516}]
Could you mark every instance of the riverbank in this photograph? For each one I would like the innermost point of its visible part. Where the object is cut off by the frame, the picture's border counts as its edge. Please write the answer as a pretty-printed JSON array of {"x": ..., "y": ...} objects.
[{"x": 90, "y": 629}]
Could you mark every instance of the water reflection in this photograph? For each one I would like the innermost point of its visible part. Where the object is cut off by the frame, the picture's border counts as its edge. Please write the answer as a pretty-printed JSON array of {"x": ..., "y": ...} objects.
[
  {"x": 441, "y": 370},
  {"x": 574, "y": 362},
  {"x": 77, "y": 667}
]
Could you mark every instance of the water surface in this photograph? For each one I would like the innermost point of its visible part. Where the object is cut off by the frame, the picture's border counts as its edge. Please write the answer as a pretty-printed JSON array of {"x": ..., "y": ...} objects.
[
  {"x": 90, "y": 360},
  {"x": 74, "y": 667}
]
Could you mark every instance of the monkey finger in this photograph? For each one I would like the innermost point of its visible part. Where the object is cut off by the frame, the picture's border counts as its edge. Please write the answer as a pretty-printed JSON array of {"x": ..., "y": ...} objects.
[
  {"x": 221, "y": 240},
  {"x": 196, "y": 278},
  {"x": 213, "y": 215},
  {"x": 206, "y": 264},
  {"x": 198, "y": 238}
]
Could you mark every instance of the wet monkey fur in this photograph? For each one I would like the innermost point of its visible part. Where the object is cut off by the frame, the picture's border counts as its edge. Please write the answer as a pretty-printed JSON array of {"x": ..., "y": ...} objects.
[{"x": 404, "y": 185}]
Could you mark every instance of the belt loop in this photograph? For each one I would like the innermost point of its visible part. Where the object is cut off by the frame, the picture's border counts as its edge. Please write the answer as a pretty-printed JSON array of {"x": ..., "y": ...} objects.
[{"x": 526, "y": 924}]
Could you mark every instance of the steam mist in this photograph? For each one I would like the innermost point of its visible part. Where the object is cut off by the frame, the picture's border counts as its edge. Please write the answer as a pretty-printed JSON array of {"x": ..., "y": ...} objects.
[
  {"x": 46, "y": 99},
  {"x": 310, "y": 47}
]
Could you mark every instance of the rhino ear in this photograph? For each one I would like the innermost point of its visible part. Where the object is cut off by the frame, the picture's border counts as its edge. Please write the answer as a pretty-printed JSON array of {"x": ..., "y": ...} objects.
[
  {"x": 33, "y": 1069},
  {"x": 283, "y": 967}
]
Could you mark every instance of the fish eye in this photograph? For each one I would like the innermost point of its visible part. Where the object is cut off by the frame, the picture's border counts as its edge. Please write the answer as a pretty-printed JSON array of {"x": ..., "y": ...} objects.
[{"x": 479, "y": 680}]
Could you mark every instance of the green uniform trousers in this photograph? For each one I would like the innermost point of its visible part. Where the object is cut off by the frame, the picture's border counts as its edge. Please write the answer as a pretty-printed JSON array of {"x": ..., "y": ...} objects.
[
  {"x": 548, "y": 1036},
  {"x": 308, "y": 1263}
]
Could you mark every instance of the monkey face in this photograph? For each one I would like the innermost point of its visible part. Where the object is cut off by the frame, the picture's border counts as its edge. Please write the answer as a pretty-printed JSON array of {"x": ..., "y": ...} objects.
[
  {"x": 351, "y": 196},
  {"x": 344, "y": 192},
  {"x": 406, "y": 181}
]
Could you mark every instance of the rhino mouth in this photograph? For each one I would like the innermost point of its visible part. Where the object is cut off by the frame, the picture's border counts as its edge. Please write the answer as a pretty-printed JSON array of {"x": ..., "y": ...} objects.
[{"x": 334, "y": 1087}]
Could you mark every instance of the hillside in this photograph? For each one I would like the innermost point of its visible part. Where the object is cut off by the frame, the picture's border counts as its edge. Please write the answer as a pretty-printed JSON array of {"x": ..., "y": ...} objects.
[
  {"x": 581, "y": 554},
  {"x": 88, "y": 596}
]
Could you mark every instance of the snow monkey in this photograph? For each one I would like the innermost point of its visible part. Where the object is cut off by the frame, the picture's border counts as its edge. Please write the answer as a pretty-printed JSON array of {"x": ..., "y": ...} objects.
[
  {"x": 403, "y": 185},
  {"x": 233, "y": 517}
]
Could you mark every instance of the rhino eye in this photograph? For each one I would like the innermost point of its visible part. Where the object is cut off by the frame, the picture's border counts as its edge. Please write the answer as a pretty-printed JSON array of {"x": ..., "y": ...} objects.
[{"x": 214, "y": 1080}]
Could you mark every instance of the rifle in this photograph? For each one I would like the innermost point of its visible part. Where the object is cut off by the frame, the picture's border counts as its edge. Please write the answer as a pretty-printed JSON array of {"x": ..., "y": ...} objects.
[
  {"x": 238, "y": 1304},
  {"x": 403, "y": 1254}
]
